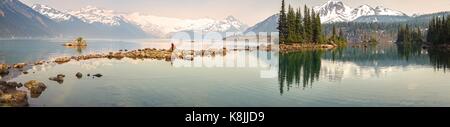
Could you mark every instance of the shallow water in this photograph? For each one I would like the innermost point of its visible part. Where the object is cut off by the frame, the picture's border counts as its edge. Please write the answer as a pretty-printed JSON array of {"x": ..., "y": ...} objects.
[
  {"x": 383, "y": 76},
  {"x": 15, "y": 51}
]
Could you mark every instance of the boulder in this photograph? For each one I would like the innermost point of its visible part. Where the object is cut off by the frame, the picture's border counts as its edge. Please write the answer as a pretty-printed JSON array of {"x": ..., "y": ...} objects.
[
  {"x": 19, "y": 65},
  {"x": 15, "y": 98},
  {"x": 59, "y": 78},
  {"x": 39, "y": 62},
  {"x": 14, "y": 85},
  {"x": 68, "y": 44},
  {"x": 79, "y": 75},
  {"x": 35, "y": 87},
  {"x": 4, "y": 69},
  {"x": 62, "y": 60},
  {"x": 3, "y": 86},
  {"x": 3, "y": 83}
]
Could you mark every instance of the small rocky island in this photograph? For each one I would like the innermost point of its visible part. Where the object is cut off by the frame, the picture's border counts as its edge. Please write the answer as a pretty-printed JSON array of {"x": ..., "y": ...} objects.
[{"x": 77, "y": 42}]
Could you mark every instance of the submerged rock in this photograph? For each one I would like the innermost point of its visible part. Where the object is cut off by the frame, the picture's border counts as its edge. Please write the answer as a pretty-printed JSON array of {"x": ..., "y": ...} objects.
[
  {"x": 79, "y": 75},
  {"x": 98, "y": 75},
  {"x": 59, "y": 78},
  {"x": 36, "y": 88}
]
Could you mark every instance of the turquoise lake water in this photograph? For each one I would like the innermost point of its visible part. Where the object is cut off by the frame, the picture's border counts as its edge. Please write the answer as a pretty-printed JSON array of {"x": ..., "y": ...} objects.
[{"x": 381, "y": 76}]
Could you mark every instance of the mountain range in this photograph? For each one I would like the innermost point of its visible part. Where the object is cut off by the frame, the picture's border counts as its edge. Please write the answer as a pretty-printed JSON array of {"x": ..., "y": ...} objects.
[
  {"x": 20, "y": 20},
  {"x": 335, "y": 11},
  {"x": 17, "y": 19},
  {"x": 44, "y": 21}
]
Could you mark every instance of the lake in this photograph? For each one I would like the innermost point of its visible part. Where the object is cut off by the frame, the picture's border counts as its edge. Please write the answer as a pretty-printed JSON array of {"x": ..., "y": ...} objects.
[{"x": 374, "y": 76}]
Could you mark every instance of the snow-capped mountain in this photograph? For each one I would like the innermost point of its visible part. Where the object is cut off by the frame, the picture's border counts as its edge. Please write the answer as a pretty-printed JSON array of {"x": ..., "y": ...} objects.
[
  {"x": 19, "y": 20},
  {"x": 52, "y": 13},
  {"x": 90, "y": 22},
  {"x": 92, "y": 17},
  {"x": 91, "y": 14},
  {"x": 163, "y": 26},
  {"x": 334, "y": 11},
  {"x": 229, "y": 24},
  {"x": 265, "y": 26},
  {"x": 337, "y": 11},
  {"x": 88, "y": 14}
]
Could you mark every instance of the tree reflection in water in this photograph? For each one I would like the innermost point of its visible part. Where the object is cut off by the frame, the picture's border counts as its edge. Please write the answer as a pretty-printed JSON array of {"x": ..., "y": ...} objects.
[
  {"x": 300, "y": 68},
  {"x": 408, "y": 50},
  {"x": 79, "y": 49},
  {"x": 439, "y": 59}
]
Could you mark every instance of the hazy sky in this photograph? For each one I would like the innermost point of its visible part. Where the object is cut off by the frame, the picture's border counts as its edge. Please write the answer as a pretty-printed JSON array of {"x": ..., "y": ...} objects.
[{"x": 248, "y": 11}]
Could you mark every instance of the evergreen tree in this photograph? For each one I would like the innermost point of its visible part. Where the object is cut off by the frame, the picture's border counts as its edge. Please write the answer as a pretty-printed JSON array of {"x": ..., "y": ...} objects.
[
  {"x": 333, "y": 34},
  {"x": 410, "y": 36},
  {"x": 292, "y": 32},
  {"x": 295, "y": 28},
  {"x": 430, "y": 32},
  {"x": 341, "y": 35},
  {"x": 317, "y": 28},
  {"x": 400, "y": 34},
  {"x": 308, "y": 26},
  {"x": 299, "y": 25},
  {"x": 418, "y": 36},
  {"x": 439, "y": 31},
  {"x": 282, "y": 25},
  {"x": 448, "y": 29}
]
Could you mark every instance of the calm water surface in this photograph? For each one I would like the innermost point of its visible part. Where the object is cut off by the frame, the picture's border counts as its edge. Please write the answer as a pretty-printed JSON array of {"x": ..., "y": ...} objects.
[{"x": 381, "y": 76}]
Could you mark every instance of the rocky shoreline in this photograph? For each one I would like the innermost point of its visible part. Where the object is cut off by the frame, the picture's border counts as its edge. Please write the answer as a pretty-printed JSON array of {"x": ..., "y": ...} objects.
[
  {"x": 285, "y": 48},
  {"x": 146, "y": 53},
  {"x": 10, "y": 95}
]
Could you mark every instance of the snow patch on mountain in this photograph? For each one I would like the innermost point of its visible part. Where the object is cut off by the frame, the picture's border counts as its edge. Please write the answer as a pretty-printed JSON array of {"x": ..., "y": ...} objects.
[
  {"x": 386, "y": 11},
  {"x": 337, "y": 11},
  {"x": 151, "y": 23},
  {"x": 52, "y": 13},
  {"x": 91, "y": 14},
  {"x": 165, "y": 25},
  {"x": 268, "y": 25},
  {"x": 334, "y": 11}
]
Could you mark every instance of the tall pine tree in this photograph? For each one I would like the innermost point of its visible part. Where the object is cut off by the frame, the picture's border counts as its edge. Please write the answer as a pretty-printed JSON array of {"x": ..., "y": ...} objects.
[
  {"x": 299, "y": 25},
  {"x": 282, "y": 25},
  {"x": 297, "y": 28},
  {"x": 291, "y": 27},
  {"x": 308, "y": 26},
  {"x": 317, "y": 28}
]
